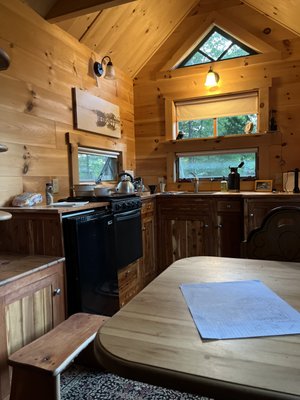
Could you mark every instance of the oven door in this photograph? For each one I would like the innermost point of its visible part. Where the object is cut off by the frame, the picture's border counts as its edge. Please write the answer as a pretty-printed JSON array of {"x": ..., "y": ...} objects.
[{"x": 128, "y": 237}]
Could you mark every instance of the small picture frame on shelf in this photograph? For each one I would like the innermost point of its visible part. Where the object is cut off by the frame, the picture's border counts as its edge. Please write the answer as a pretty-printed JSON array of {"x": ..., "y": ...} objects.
[{"x": 263, "y": 185}]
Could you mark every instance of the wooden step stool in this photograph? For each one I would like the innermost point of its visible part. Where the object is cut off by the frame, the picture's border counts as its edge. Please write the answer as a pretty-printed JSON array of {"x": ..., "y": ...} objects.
[{"x": 37, "y": 366}]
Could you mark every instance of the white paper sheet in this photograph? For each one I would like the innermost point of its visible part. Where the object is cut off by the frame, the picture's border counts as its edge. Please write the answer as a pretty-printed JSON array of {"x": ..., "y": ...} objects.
[
  {"x": 241, "y": 309},
  {"x": 69, "y": 204}
]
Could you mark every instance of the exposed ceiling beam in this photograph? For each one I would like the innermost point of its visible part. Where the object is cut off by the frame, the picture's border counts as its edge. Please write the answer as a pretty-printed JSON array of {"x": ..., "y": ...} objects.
[{"x": 64, "y": 9}]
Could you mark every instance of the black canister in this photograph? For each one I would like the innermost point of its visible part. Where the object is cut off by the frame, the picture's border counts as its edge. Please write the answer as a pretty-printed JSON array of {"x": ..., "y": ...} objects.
[{"x": 234, "y": 178}]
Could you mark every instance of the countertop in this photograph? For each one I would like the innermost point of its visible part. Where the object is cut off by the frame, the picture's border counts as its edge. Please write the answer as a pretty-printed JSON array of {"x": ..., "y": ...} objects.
[
  {"x": 243, "y": 194},
  {"x": 146, "y": 196},
  {"x": 54, "y": 209},
  {"x": 15, "y": 266}
]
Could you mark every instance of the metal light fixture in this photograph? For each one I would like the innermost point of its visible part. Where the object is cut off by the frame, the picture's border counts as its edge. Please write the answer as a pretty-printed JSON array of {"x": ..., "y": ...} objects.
[
  {"x": 105, "y": 68},
  {"x": 212, "y": 78},
  {"x": 4, "y": 60}
]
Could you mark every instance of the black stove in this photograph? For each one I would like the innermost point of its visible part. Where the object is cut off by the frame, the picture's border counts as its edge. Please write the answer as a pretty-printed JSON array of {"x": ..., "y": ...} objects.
[{"x": 119, "y": 202}]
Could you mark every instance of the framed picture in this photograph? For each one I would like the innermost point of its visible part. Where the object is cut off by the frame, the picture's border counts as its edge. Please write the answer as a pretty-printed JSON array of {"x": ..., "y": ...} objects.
[
  {"x": 92, "y": 114},
  {"x": 263, "y": 186}
]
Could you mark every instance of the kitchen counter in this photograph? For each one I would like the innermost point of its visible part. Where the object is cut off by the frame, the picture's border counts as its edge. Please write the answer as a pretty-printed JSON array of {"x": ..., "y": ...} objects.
[
  {"x": 55, "y": 209},
  {"x": 242, "y": 194},
  {"x": 15, "y": 266}
]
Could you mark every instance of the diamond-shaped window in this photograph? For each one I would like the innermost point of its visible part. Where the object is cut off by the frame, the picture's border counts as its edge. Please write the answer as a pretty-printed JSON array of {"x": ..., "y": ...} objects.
[{"x": 217, "y": 45}]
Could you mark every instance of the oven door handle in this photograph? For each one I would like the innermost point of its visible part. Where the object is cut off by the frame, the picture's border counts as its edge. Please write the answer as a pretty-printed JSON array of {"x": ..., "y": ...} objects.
[{"x": 127, "y": 214}]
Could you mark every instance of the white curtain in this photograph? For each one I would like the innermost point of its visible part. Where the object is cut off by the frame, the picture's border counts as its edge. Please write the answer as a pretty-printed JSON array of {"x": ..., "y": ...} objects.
[{"x": 221, "y": 106}]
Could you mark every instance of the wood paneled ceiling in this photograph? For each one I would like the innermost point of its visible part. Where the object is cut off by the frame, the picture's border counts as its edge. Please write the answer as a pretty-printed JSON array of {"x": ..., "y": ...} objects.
[{"x": 143, "y": 35}]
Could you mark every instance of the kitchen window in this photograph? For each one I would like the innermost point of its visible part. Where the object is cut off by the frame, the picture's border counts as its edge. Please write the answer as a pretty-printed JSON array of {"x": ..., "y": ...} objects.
[
  {"x": 215, "y": 164},
  {"x": 96, "y": 164},
  {"x": 234, "y": 114}
]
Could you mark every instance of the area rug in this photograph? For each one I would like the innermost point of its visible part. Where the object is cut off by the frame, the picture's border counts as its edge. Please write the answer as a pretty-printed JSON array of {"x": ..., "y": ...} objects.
[{"x": 80, "y": 383}]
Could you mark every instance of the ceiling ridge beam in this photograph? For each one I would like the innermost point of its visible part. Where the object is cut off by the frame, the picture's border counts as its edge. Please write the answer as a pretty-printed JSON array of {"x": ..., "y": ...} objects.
[{"x": 65, "y": 9}]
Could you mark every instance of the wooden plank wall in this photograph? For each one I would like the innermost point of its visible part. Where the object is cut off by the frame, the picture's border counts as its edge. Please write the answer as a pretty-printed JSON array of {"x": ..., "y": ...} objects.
[
  {"x": 36, "y": 103},
  {"x": 276, "y": 72}
]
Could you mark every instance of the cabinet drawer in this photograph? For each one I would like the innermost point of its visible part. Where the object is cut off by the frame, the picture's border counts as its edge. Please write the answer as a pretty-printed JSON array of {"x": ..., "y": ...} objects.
[
  {"x": 229, "y": 206},
  {"x": 128, "y": 283},
  {"x": 147, "y": 207}
]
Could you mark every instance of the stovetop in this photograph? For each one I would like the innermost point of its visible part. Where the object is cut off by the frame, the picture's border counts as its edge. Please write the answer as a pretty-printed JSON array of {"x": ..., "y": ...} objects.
[
  {"x": 109, "y": 198},
  {"x": 119, "y": 202}
]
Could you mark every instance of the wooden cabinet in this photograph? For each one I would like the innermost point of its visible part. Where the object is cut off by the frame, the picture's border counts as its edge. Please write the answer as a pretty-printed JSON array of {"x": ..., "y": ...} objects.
[
  {"x": 185, "y": 228},
  {"x": 198, "y": 226},
  {"x": 229, "y": 227},
  {"x": 31, "y": 303},
  {"x": 255, "y": 209},
  {"x": 147, "y": 263}
]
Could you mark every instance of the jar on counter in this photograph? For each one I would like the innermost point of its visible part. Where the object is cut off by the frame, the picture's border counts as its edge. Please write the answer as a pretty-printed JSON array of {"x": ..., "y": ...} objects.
[
  {"x": 49, "y": 194},
  {"x": 224, "y": 186}
]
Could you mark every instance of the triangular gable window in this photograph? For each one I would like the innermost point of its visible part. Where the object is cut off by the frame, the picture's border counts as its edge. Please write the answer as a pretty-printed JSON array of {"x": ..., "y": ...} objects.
[{"x": 217, "y": 45}]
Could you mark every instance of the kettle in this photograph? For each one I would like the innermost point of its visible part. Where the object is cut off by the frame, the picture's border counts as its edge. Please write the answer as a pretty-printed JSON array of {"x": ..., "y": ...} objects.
[
  {"x": 125, "y": 185},
  {"x": 234, "y": 178}
]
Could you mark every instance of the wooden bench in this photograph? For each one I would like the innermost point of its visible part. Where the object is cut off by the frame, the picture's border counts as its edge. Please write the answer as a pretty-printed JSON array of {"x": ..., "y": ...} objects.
[{"x": 37, "y": 366}]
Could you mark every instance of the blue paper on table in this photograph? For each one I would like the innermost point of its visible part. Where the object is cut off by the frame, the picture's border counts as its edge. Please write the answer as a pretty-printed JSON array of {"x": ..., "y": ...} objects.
[{"x": 229, "y": 310}]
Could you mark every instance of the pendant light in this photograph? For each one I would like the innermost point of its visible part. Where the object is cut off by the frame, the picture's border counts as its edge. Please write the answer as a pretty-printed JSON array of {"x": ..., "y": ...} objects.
[{"x": 212, "y": 78}]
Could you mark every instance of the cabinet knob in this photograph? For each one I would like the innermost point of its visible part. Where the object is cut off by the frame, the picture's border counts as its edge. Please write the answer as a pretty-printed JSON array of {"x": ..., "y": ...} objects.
[
  {"x": 219, "y": 226},
  {"x": 205, "y": 225},
  {"x": 251, "y": 215},
  {"x": 228, "y": 205},
  {"x": 57, "y": 292}
]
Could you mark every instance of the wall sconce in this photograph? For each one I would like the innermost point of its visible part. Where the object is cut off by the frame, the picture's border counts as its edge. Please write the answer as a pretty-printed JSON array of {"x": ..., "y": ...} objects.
[
  {"x": 4, "y": 60},
  {"x": 212, "y": 78},
  {"x": 108, "y": 72}
]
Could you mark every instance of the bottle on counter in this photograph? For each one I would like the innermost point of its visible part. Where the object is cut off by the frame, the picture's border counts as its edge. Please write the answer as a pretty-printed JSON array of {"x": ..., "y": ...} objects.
[
  {"x": 234, "y": 178},
  {"x": 49, "y": 194}
]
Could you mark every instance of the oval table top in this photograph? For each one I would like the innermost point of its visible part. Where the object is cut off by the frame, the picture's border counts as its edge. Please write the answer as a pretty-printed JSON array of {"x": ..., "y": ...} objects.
[{"x": 153, "y": 338}]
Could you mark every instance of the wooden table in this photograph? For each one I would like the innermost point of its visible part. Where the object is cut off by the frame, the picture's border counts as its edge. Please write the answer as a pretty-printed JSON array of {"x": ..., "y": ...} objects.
[{"x": 154, "y": 339}]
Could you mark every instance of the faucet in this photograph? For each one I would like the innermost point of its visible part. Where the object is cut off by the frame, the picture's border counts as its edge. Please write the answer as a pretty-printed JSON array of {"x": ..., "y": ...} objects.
[{"x": 196, "y": 182}]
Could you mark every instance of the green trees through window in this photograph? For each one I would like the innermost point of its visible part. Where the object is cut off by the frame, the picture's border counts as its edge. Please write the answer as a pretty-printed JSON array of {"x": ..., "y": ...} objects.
[
  {"x": 224, "y": 126},
  {"x": 95, "y": 164},
  {"x": 212, "y": 165}
]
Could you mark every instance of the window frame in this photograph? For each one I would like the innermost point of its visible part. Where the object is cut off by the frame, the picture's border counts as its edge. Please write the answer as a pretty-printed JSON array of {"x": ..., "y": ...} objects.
[
  {"x": 97, "y": 151},
  {"x": 224, "y": 142},
  {"x": 224, "y": 99},
  {"x": 75, "y": 140},
  {"x": 226, "y": 35},
  {"x": 262, "y": 116}
]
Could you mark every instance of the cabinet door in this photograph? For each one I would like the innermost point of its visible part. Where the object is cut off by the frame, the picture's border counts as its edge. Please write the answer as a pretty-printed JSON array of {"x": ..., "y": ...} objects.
[
  {"x": 148, "y": 262},
  {"x": 185, "y": 229},
  {"x": 33, "y": 313},
  {"x": 182, "y": 237},
  {"x": 229, "y": 228},
  {"x": 30, "y": 306}
]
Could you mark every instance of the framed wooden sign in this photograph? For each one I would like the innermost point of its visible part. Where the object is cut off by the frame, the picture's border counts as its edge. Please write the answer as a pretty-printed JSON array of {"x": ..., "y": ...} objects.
[{"x": 92, "y": 114}]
